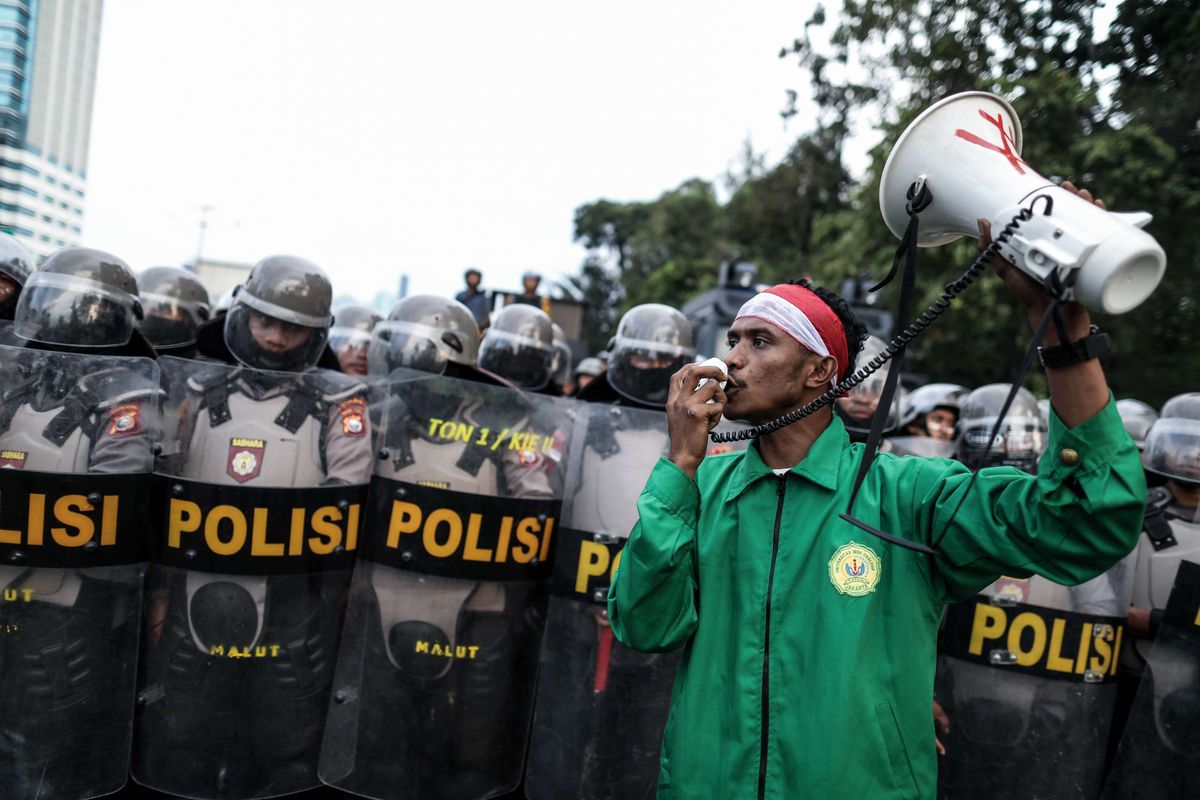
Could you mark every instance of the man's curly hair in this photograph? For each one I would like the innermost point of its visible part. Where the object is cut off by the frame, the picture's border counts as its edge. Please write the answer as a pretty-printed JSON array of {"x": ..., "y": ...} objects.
[{"x": 856, "y": 331}]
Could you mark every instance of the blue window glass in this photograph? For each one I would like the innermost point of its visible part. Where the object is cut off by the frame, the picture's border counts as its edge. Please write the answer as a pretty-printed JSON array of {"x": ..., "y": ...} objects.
[
  {"x": 50, "y": 180},
  {"x": 44, "y": 238},
  {"x": 14, "y": 14}
]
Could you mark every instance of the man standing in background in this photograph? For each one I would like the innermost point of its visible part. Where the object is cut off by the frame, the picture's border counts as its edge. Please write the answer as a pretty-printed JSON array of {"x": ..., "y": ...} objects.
[{"x": 475, "y": 299}]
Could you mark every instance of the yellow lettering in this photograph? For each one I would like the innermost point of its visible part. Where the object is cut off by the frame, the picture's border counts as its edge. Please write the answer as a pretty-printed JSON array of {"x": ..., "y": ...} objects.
[
  {"x": 237, "y": 532},
  {"x": 989, "y": 623},
  {"x": 1082, "y": 654},
  {"x": 616, "y": 562},
  {"x": 422, "y": 646},
  {"x": 108, "y": 519},
  {"x": 527, "y": 536},
  {"x": 1054, "y": 659},
  {"x": 1027, "y": 658},
  {"x": 473, "y": 650},
  {"x": 1104, "y": 650},
  {"x": 464, "y": 433},
  {"x": 37, "y": 518},
  {"x": 274, "y": 651},
  {"x": 434, "y": 422},
  {"x": 483, "y": 436},
  {"x": 547, "y": 532},
  {"x": 260, "y": 651},
  {"x": 183, "y": 517},
  {"x": 324, "y": 524},
  {"x": 1116, "y": 650},
  {"x": 593, "y": 560},
  {"x": 67, "y": 511},
  {"x": 28, "y": 595},
  {"x": 453, "y": 539},
  {"x": 406, "y": 518},
  {"x": 473, "y": 552},
  {"x": 352, "y": 528},
  {"x": 506, "y": 524},
  {"x": 259, "y": 546},
  {"x": 296, "y": 533},
  {"x": 217, "y": 650},
  {"x": 10, "y": 595}
]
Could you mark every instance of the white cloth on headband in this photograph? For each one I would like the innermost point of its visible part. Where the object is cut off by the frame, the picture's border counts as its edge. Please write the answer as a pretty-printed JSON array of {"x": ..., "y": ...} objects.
[{"x": 791, "y": 320}]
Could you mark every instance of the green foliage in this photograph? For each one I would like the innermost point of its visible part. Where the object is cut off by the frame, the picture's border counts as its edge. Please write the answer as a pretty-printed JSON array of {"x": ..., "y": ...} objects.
[{"x": 1119, "y": 116}]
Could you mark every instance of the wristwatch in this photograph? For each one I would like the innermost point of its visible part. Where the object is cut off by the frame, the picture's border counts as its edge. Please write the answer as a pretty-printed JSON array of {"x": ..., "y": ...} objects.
[{"x": 1094, "y": 345}]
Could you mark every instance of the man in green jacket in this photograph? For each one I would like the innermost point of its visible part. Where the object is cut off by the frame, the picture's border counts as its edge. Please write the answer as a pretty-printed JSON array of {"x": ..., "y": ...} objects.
[{"x": 809, "y": 645}]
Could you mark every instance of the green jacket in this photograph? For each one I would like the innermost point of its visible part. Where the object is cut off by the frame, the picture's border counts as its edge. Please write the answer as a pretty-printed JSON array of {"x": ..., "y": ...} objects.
[{"x": 809, "y": 645}]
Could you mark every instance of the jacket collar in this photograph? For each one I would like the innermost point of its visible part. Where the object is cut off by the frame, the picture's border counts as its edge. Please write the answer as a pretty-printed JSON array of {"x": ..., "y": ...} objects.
[{"x": 820, "y": 466}]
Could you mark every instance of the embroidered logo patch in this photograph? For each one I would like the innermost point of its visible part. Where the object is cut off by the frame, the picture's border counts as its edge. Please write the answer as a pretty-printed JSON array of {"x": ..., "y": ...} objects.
[
  {"x": 12, "y": 459},
  {"x": 352, "y": 412},
  {"x": 854, "y": 570},
  {"x": 245, "y": 458},
  {"x": 125, "y": 420}
]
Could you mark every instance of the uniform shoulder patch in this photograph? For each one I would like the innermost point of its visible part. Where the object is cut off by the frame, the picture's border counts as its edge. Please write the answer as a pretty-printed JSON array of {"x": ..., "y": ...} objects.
[
  {"x": 353, "y": 413},
  {"x": 854, "y": 570},
  {"x": 245, "y": 458},
  {"x": 125, "y": 420}
]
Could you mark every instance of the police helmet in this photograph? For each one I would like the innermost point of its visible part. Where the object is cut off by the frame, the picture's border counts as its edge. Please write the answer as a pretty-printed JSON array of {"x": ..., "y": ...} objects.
[
  {"x": 279, "y": 319},
  {"x": 176, "y": 305},
  {"x": 519, "y": 346},
  {"x": 424, "y": 332},
  {"x": 16, "y": 264},
  {"x": 857, "y": 409},
  {"x": 653, "y": 342},
  {"x": 350, "y": 336},
  {"x": 1137, "y": 417},
  {"x": 80, "y": 297},
  {"x": 1021, "y": 437},
  {"x": 561, "y": 368},
  {"x": 1173, "y": 441},
  {"x": 590, "y": 366}
]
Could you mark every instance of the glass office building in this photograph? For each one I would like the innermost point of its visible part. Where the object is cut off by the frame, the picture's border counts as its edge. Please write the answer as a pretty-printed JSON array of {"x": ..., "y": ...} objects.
[{"x": 48, "y": 53}]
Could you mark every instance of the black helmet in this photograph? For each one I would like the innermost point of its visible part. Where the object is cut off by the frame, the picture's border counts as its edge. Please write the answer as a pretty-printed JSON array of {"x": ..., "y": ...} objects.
[
  {"x": 424, "y": 332},
  {"x": 350, "y": 336},
  {"x": 1173, "y": 442},
  {"x": 1020, "y": 439},
  {"x": 285, "y": 300},
  {"x": 519, "y": 346},
  {"x": 79, "y": 298},
  {"x": 176, "y": 305},
  {"x": 16, "y": 264},
  {"x": 653, "y": 342}
]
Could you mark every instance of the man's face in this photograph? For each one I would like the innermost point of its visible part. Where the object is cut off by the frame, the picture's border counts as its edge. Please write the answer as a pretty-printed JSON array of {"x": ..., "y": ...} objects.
[
  {"x": 859, "y": 405},
  {"x": 531, "y": 285},
  {"x": 352, "y": 357},
  {"x": 8, "y": 287},
  {"x": 940, "y": 423},
  {"x": 768, "y": 372},
  {"x": 472, "y": 280},
  {"x": 275, "y": 335}
]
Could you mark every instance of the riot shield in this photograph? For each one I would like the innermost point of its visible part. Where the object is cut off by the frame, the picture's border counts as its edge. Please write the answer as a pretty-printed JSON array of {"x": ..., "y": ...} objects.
[
  {"x": 601, "y": 707},
  {"x": 1159, "y": 753},
  {"x": 265, "y": 486},
  {"x": 1027, "y": 676},
  {"x": 76, "y": 446},
  {"x": 922, "y": 446},
  {"x": 433, "y": 694}
]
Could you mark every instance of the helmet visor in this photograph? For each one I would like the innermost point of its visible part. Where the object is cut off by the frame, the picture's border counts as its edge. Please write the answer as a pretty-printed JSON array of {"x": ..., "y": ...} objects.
[
  {"x": 1173, "y": 449},
  {"x": 264, "y": 342},
  {"x": 74, "y": 312},
  {"x": 1018, "y": 443},
  {"x": 641, "y": 369},
  {"x": 170, "y": 321},
  {"x": 523, "y": 360},
  {"x": 406, "y": 345}
]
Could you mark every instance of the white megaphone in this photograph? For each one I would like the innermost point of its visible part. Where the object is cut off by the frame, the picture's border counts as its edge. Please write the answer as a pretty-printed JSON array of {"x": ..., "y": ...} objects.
[{"x": 967, "y": 150}]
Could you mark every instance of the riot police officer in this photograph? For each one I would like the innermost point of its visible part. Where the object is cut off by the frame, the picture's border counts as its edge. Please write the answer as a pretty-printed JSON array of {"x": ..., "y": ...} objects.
[
  {"x": 242, "y": 631},
  {"x": 350, "y": 336},
  {"x": 78, "y": 419},
  {"x": 586, "y": 371},
  {"x": 1137, "y": 418},
  {"x": 176, "y": 305},
  {"x": 932, "y": 410},
  {"x": 1026, "y": 719},
  {"x": 16, "y": 264},
  {"x": 519, "y": 347},
  {"x": 601, "y": 706},
  {"x": 857, "y": 409},
  {"x": 434, "y": 691}
]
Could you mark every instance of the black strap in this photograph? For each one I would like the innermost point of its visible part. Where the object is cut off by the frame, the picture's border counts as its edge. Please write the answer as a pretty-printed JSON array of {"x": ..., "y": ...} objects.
[
  {"x": 216, "y": 400},
  {"x": 304, "y": 401},
  {"x": 75, "y": 410},
  {"x": 13, "y": 400}
]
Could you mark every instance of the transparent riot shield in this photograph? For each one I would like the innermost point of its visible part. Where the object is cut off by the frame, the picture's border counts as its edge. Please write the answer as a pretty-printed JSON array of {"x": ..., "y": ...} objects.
[
  {"x": 265, "y": 486},
  {"x": 433, "y": 695},
  {"x": 1027, "y": 676},
  {"x": 76, "y": 451},
  {"x": 1159, "y": 753},
  {"x": 601, "y": 707},
  {"x": 922, "y": 446}
]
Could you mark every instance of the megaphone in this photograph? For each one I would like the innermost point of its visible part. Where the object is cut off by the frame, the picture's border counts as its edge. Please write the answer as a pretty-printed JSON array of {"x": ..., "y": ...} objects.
[{"x": 966, "y": 149}]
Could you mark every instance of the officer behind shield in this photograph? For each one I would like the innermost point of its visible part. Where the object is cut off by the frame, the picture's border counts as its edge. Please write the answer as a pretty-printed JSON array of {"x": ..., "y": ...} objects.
[
  {"x": 415, "y": 722},
  {"x": 932, "y": 410},
  {"x": 214, "y": 726},
  {"x": 16, "y": 263},
  {"x": 602, "y": 706},
  {"x": 68, "y": 632},
  {"x": 350, "y": 336},
  {"x": 519, "y": 347},
  {"x": 176, "y": 305},
  {"x": 857, "y": 408}
]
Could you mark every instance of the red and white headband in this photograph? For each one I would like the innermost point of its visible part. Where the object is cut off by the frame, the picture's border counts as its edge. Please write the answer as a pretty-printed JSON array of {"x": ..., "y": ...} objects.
[{"x": 799, "y": 313}]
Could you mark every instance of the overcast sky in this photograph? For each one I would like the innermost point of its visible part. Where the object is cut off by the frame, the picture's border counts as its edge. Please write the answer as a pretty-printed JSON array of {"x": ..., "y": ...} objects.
[{"x": 384, "y": 137}]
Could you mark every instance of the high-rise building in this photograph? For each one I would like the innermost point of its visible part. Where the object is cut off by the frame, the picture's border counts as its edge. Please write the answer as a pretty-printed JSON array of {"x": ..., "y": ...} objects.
[{"x": 48, "y": 53}]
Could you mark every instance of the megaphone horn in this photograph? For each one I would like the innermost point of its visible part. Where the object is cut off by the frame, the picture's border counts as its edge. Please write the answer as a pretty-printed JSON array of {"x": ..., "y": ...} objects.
[{"x": 967, "y": 151}]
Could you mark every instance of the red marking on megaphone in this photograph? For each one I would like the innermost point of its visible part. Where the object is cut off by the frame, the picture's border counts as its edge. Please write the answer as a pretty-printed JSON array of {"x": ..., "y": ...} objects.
[{"x": 1006, "y": 147}]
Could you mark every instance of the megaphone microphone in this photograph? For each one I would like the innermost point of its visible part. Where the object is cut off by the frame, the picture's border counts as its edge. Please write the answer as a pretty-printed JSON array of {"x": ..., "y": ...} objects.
[{"x": 966, "y": 152}]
